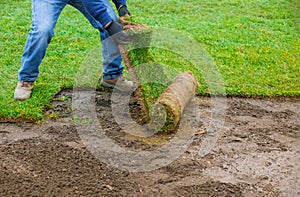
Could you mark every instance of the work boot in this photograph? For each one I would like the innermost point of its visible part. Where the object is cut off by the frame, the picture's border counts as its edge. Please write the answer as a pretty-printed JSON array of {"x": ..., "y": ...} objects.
[
  {"x": 23, "y": 90},
  {"x": 119, "y": 83}
]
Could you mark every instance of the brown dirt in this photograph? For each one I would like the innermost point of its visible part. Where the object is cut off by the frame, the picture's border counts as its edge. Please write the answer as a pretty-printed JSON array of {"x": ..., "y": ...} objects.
[{"x": 256, "y": 155}]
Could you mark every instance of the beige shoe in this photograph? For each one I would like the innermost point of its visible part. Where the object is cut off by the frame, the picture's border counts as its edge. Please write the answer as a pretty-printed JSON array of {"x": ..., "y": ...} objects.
[
  {"x": 119, "y": 83},
  {"x": 23, "y": 90}
]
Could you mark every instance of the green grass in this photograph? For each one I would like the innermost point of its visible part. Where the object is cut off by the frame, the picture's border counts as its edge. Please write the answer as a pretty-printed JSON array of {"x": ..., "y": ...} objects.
[
  {"x": 254, "y": 44},
  {"x": 74, "y": 39}
]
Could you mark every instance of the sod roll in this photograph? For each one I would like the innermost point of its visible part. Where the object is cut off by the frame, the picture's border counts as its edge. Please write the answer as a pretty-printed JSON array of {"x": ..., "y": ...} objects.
[{"x": 172, "y": 102}]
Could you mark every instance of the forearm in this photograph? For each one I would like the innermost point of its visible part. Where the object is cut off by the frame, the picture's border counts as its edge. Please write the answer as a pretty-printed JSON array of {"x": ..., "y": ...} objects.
[{"x": 118, "y": 3}]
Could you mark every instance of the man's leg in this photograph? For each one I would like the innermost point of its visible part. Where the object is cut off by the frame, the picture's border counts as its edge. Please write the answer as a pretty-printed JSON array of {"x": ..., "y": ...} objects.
[
  {"x": 44, "y": 16},
  {"x": 112, "y": 59}
]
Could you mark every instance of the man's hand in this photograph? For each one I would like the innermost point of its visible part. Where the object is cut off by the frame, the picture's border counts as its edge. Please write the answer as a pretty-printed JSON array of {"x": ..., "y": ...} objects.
[
  {"x": 123, "y": 11},
  {"x": 116, "y": 33}
]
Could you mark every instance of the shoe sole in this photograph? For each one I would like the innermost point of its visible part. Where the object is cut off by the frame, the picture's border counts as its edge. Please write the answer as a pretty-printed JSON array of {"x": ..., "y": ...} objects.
[
  {"x": 21, "y": 99},
  {"x": 107, "y": 85}
]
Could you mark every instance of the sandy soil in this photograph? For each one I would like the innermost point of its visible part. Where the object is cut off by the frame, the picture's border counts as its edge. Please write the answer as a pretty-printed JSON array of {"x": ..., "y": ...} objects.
[{"x": 257, "y": 154}]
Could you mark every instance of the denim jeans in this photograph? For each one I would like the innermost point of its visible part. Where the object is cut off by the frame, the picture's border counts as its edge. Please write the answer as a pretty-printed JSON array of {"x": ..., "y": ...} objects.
[
  {"x": 44, "y": 17},
  {"x": 112, "y": 59}
]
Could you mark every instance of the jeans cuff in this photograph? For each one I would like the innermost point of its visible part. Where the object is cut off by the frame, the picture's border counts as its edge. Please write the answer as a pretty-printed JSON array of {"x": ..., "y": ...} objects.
[{"x": 111, "y": 76}]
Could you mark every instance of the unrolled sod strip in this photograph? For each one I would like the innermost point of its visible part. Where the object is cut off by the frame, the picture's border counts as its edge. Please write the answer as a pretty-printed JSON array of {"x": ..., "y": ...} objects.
[
  {"x": 166, "y": 113},
  {"x": 140, "y": 37}
]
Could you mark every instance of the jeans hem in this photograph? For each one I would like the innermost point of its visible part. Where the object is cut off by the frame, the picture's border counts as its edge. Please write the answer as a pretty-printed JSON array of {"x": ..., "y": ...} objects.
[{"x": 108, "y": 76}]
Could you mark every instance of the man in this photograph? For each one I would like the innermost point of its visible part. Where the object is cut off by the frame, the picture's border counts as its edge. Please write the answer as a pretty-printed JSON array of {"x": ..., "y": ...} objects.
[{"x": 45, "y": 14}]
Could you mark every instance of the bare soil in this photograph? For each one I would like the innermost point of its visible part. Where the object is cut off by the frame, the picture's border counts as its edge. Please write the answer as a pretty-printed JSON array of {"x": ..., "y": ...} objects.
[{"x": 257, "y": 154}]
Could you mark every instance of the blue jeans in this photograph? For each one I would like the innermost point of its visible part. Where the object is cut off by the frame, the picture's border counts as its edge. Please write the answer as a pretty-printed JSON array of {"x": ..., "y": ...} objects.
[
  {"x": 112, "y": 59},
  {"x": 44, "y": 17}
]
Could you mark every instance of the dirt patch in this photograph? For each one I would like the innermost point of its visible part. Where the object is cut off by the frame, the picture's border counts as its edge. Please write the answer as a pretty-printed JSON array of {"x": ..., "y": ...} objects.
[{"x": 257, "y": 154}]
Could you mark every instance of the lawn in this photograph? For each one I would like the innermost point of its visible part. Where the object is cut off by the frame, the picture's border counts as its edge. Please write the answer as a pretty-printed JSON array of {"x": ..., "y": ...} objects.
[{"x": 254, "y": 44}]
